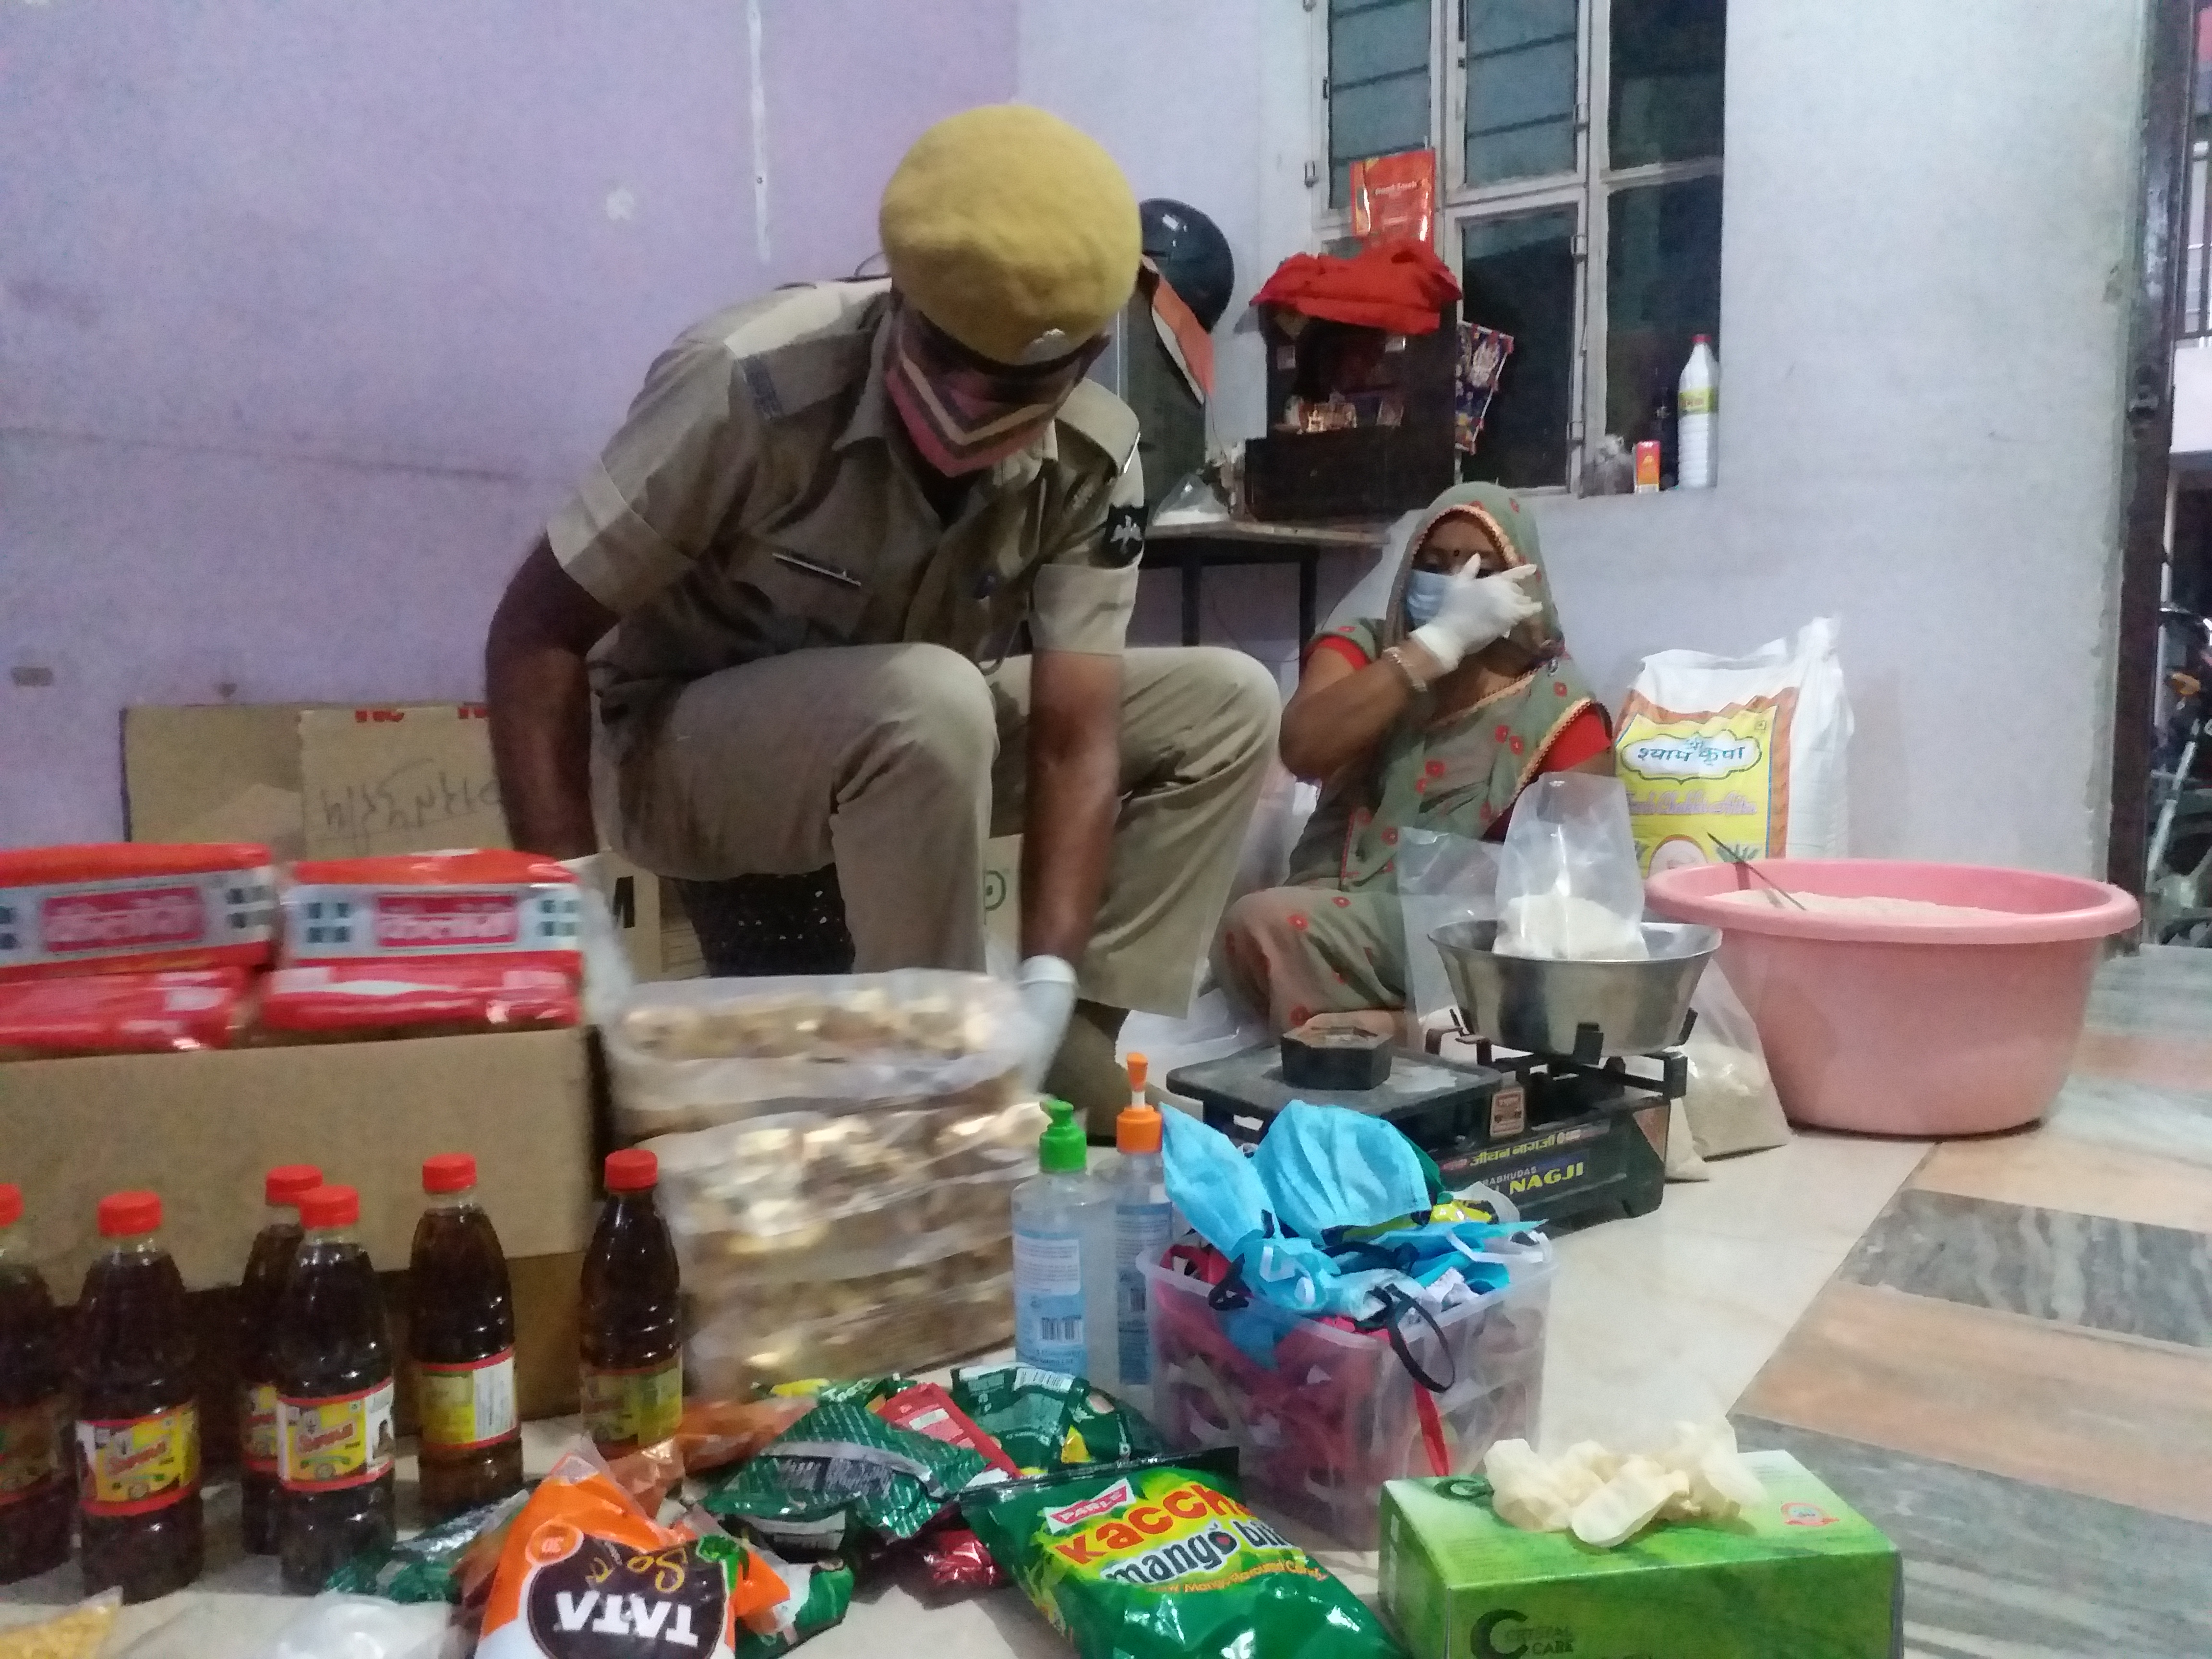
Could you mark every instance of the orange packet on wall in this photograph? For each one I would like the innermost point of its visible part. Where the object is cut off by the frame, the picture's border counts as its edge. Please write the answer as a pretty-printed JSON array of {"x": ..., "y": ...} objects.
[{"x": 1393, "y": 198}]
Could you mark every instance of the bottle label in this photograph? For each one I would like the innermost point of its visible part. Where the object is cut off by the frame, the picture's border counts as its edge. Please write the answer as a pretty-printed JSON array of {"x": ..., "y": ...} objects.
[
  {"x": 135, "y": 1465},
  {"x": 1048, "y": 1302},
  {"x": 29, "y": 1453},
  {"x": 1141, "y": 1233},
  {"x": 260, "y": 1446},
  {"x": 331, "y": 1442},
  {"x": 465, "y": 1406},
  {"x": 636, "y": 1405},
  {"x": 1699, "y": 400}
]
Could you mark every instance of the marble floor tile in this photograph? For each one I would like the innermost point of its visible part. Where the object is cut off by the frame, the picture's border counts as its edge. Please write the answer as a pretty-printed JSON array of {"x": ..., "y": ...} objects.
[
  {"x": 2053, "y": 1169},
  {"x": 2092, "y": 1271},
  {"x": 2158, "y": 1061},
  {"x": 2136, "y": 1117},
  {"x": 2162, "y": 988},
  {"x": 1997, "y": 1566},
  {"x": 2105, "y": 1416}
]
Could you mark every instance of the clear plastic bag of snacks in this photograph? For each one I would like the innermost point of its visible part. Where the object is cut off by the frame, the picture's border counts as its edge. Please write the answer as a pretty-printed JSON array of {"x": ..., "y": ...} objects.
[{"x": 690, "y": 1055}]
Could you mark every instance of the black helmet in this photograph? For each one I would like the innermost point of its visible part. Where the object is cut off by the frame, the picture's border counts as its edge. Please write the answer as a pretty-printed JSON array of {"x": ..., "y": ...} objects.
[{"x": 1192, "y": 253}]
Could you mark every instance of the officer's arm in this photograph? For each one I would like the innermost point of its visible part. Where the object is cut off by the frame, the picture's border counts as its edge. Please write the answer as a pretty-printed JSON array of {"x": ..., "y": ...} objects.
[
  {"x": 541, "y": 704},
  {"x": 1074, "y": 792}
]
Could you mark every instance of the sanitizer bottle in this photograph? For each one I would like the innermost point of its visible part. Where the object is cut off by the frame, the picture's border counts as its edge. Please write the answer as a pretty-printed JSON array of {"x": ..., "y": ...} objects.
[
  {"x": 1054, "y": 1213},
  {"x": 1132, "y": 1231}
]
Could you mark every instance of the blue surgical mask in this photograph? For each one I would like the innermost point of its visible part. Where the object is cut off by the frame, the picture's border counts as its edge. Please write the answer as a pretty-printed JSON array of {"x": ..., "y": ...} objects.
[{"x": 1424, "y": 596}]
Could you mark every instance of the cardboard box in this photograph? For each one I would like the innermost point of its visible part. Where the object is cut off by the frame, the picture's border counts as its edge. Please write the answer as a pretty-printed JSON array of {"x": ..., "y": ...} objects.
[
  {"x": 327, "y": 781},
  {"x": 1804, "y": 1575},
  {"x": 202, "y": 1128}
]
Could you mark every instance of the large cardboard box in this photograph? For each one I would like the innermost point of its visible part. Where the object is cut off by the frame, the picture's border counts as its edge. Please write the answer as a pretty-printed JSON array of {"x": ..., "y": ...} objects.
[
  {"x": 328, "y": 780},
  {"x": 202, "y": 1128},
  {"x": 1802, "y": 1575}
]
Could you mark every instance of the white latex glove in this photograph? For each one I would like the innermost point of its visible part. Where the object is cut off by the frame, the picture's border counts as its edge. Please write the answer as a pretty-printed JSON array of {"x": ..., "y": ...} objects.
[
  {"x": 607, "y": 976},
  {"x": 1048, "y": 988},
  {"x": 1478, "y": 610}
]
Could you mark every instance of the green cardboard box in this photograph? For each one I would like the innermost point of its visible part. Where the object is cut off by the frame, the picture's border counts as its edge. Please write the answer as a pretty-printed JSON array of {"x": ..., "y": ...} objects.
[{"x": 1804, "y": 1577}]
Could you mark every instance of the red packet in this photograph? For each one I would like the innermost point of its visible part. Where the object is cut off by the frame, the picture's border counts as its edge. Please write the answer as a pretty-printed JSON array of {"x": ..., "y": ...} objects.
[
  {"x": 1393, "y": 198},
  {"x": 926, "y": 1408}
]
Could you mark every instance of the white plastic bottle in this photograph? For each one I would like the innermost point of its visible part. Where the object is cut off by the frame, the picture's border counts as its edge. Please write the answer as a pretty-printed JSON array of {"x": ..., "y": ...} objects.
[
  {"x": 1131, "y": 1229},
  {"x": 1054, "y": 1214},
  {"x": 1697, "y": 411}
]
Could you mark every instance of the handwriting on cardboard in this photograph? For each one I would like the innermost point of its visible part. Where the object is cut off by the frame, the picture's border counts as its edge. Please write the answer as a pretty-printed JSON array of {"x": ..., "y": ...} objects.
[{"x": 411, "y": 780}]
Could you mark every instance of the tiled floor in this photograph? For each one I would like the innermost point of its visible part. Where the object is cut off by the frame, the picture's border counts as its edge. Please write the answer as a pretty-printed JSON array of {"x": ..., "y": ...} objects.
[{"x": 2011, "y": 1372}]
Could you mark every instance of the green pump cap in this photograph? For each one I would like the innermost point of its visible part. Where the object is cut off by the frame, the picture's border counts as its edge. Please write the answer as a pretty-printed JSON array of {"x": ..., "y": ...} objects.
[{"x": 1063, "y": 1148}]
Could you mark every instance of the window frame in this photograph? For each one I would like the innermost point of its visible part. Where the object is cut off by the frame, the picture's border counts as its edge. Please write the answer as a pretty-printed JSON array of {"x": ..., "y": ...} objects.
[{"x": 1589, "y": 190}]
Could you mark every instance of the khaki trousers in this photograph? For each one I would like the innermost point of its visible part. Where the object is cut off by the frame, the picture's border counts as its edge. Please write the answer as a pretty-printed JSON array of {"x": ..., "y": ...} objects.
[{"x": 898, "y": 762}]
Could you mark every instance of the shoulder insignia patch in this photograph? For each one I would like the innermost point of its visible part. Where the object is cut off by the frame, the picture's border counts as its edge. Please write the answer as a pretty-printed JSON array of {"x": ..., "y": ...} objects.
[{"x": 1125, "y": 535}]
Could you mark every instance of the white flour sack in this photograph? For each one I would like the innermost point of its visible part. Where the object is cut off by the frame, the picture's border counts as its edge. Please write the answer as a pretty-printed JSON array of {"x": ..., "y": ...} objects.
[{"x": 1743, "y": 755}]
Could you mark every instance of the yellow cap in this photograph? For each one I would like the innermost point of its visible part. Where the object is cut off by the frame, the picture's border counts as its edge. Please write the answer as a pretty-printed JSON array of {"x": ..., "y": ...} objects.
[{"x": 1012, "y": 232}]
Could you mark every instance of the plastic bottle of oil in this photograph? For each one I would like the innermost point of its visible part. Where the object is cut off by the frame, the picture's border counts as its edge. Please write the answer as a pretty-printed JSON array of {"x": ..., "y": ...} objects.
[
  {"x": 333, "y": 1398},
  {"x": 460, "y": 1334},
  {"x": 35, "y": 1499},
  {"x": 633, "y": 1361},
  {"x": 138, "y": 1422},
  {"x": 267, "y": 1266}
]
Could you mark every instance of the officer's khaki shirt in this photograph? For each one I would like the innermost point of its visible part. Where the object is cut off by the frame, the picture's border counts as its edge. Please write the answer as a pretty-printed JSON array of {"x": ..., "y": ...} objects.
[{"x": 760, "y": 499}]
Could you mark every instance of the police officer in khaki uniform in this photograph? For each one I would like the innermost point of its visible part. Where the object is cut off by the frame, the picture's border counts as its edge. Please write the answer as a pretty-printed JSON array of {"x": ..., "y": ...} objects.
[{"x": 791, "y": 583}]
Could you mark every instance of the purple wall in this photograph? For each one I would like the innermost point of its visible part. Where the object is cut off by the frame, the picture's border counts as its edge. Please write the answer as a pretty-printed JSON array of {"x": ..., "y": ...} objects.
[{"x": 310, "y": 313}]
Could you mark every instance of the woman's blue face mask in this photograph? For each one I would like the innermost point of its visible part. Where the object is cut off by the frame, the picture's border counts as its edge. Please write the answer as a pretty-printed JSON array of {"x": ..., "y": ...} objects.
[{"x": 1424, "y": 595}]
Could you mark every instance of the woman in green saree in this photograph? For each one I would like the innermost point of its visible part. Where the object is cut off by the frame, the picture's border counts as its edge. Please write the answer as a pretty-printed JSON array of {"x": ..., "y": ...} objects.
[{"x": 1403, "y": 732}]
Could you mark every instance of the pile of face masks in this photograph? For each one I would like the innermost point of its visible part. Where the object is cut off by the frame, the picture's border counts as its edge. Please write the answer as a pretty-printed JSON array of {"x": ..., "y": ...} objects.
[{"x": 1336, "y": 1214}]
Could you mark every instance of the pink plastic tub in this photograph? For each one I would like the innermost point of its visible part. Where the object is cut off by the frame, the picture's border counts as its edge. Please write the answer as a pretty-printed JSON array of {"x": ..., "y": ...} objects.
[{"x": 1907, "y": 1027}]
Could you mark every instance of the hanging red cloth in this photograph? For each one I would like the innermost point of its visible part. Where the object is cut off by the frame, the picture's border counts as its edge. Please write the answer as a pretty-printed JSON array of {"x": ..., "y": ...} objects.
[{"x": 1399, "y": 286}]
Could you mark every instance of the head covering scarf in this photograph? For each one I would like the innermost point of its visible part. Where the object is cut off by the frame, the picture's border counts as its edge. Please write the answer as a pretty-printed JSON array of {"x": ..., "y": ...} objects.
[
  {"x": 1458, "y": 776},
  {"x": 962, "y": 411}
]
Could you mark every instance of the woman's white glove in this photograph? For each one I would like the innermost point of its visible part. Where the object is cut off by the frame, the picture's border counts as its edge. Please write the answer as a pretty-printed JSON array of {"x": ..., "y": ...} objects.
[
  {"x": 1479, "y": 610},
  {"x": 1048, "y": 990}
]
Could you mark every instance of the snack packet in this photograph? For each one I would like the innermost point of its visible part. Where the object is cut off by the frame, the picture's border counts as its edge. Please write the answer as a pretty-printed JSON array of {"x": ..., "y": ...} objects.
[
  {"x": 1157, "y": 1558},
  {"x": 583, "y": 1565},
  {"x": 80, "y": 1633},
  {"x": 925, "y": 1408},
  {"x": 841, "y": 1477},
  {"x": 424, "y": 1568},
  {"x": 1047, "y": 1420}
]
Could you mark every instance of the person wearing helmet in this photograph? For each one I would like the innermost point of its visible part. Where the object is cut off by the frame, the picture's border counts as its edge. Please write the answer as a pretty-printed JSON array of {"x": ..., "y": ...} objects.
[{"x": 775, "y": 625}]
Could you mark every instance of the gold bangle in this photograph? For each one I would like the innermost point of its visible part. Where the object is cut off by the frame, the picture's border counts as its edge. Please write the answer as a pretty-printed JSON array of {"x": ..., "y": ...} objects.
[{"x": 1396, "y": 658}]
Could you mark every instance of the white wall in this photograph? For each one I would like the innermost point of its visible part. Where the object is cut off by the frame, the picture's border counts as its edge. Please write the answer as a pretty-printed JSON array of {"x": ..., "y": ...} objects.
[{"x": 1926, "y": 255}]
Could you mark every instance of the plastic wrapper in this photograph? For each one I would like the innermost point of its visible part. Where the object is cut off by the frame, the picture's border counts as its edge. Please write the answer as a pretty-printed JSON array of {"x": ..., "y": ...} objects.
[
  {"x": 954, "y": 1562},
  {"x": 357, "y": 1001},
  {"x": 80, "y": 1633},
  {"x": 712, "y": 1435},
  {"x": 521, "y": 907},
  {"x": 1393, "y": 198},
  {"x": 1442, "y": 878},
  {"x": 734, "y": 1355},
  {"x": 802, "y": 1194},
  {"x": 176, "y": 1010},
  {"x": 424, "y": 1568},
  {"x": 926, "y": 1408},
  {"x": 335, "y": 1626},
  {"x": 842, "y": 1478},
  {"x": 134, "y": 908},
  {"x": 1162, "y": 1559},
  {"x": 1049, "y": 1420},
  {"x": 1731, "y": 1105},
  {"x": 692, "y": 1053},
  {"x": 1568, "y": 884},
  {"x": 583, "y": 1572}
]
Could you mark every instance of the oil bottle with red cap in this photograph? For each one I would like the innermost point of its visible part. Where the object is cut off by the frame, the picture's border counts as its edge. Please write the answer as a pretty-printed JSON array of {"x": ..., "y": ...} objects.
[
  {"x": 138, "y": 1422},
  {"x": 268, "y": 1264},
  {"x": 334, "y": 1398},
  {"x": 461, "y": 1335},
  {"x": 35, "y": 1498},
  {"x": 632, "y": 1346}
]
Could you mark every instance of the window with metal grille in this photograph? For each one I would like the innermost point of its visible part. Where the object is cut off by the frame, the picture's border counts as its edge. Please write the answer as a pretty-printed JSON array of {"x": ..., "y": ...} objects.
[{"x": 1579, "y": 149}]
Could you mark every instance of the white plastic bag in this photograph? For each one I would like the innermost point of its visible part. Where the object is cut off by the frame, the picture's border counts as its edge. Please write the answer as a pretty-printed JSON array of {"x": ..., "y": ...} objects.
[
  {"x": 1442, "y": 878},
  {"x": 1731, "y": 1106},
  {"x": 336, "y": 1626},
  {"x": 1568, "y": 887},
  {"x": 1747, "y": 752}
]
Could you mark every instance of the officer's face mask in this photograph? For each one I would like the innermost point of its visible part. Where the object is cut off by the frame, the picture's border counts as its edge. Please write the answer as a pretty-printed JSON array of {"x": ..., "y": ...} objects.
[
  {"x": 1424, "y": 596},
  {"x": 963, "y": 412}
]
